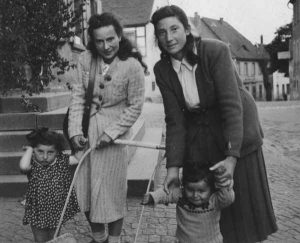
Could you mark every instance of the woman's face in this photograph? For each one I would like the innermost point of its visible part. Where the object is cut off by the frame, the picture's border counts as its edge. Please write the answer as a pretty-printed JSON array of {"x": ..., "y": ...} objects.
[
  {"x": 197, "y": 192},
  {"x": 107, "y": 42},
  {"x": 171, "y": 35},
  {"x": 45, "y": 154}
]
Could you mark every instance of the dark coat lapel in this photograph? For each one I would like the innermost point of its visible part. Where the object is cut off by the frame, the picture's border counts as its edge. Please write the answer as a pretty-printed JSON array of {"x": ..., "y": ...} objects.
[
  {"x": 175, "y": 84},
  {"x": 199, "y": 81}
]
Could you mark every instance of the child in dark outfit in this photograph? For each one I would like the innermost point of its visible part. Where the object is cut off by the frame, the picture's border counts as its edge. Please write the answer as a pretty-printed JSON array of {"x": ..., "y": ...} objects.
[
  {"x": 49, "y": 179},
  {"x": 199, "y": 204}
]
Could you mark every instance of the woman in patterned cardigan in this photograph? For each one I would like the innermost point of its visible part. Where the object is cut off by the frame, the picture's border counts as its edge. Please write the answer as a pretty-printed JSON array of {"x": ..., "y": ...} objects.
[{"x": 117, "y": 103}]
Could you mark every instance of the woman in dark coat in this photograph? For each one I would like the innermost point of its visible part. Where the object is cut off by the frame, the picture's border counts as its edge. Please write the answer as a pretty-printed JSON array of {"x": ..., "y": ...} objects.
[{"x": 212, "y": 119}]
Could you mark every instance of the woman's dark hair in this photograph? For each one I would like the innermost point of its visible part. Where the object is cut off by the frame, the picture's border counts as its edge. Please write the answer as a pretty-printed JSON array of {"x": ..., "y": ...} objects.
[
  {"x": 45, "y": 137},
  {"x": 125, "y": 50},
  {"x": 193, "y": 172},
  {"x": 175, "y": 11}
]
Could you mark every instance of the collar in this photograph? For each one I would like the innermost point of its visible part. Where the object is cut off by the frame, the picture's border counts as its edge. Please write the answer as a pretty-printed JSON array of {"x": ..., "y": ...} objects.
[{"x": 176, "y": 64}]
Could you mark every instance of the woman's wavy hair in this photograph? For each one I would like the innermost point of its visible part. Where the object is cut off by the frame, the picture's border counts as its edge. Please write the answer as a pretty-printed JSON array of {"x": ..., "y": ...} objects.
[
  {"x": 175, "y": 11},
  {"x": 125, "y": 49},
  {"x": 44, "y": 136}
]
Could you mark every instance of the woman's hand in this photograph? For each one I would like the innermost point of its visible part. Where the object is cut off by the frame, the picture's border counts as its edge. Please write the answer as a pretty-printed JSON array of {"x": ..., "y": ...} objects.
[
  {"x": 79, "y": 142},
  {"x": 172, "y": 178},
  {"x": 224, "y": 171},
  {"x": 103, "y": 141},
  {"x": 147, "y": 199}
]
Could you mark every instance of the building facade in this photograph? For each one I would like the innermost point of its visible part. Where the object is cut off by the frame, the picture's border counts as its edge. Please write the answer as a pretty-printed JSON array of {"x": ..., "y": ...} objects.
[
  {"x": 295, "y": 52},
  {"x": 246, "y": 56},
  {"x": 135, "y": 17}
]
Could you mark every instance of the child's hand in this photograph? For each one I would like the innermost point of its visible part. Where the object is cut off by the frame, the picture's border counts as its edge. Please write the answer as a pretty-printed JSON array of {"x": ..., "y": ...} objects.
[
  {"x": 222, "y": 183},
  {"x": 147, "y": 200},
  {"x": 73, "y": 160},
  {"x": 25, "y": 147}
]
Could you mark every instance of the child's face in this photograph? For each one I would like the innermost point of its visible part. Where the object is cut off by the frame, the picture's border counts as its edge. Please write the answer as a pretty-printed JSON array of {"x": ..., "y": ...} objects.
[
  {"x": 45, "y": 154},
  {"x": 197, "y": 192}
]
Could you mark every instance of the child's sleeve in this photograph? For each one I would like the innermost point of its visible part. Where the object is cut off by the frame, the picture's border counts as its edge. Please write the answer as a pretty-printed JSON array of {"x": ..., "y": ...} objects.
[
  {"x": 161, "y": 197},
  {"x": 25, "y": 161},
  {"x": 223, "y": 197}
]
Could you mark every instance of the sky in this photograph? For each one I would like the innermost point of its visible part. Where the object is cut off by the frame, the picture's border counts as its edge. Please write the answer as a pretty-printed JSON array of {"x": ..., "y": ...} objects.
[{"x": 252, "y": 18}]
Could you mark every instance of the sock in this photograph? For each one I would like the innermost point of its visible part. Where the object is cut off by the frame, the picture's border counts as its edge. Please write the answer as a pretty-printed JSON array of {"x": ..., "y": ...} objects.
[
  {"x": 100, "y": 236},
  {"x": 113, "y": 239}
]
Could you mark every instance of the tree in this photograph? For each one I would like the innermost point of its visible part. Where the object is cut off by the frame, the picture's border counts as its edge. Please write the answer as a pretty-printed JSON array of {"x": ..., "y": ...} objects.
[
  {"x": 31, "y": 32},
  {"x": 280, "y": 43}
]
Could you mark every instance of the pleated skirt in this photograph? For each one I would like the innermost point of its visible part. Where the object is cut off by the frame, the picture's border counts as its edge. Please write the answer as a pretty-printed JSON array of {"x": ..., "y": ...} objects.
[{"x": 251, "y": 217}]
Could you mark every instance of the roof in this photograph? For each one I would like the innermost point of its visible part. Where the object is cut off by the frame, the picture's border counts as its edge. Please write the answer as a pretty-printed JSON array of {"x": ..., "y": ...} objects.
[
  {"x": 130, "y": 12},
  {"x": 240, "y": 46}
]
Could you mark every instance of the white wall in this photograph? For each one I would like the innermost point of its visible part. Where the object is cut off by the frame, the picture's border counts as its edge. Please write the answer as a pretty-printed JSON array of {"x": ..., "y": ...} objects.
[{"x": 280, "y": 84}]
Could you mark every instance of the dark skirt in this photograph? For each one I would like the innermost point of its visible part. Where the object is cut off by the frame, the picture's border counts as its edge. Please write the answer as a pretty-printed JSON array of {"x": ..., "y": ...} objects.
[{"x": 251, "y": 217}]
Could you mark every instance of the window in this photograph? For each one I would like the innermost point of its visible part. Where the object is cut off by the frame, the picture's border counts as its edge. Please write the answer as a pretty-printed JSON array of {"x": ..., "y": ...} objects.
[
  {"x": 93, "y": 5},
  {"x": 141, "y": 40},
  {"x": 79, "y": 28},
  {"x": 254, "y": 92},
  {"x": 137, "y": 36},
  {"x": 260, "y": 91},
  {"x": 253, "y": 69},
  {"x": 153, "y": 86},
  {"x": 237, "y": 64},
  {"x": 259, "y": 70},
  {"x": 246, "y": 69}
]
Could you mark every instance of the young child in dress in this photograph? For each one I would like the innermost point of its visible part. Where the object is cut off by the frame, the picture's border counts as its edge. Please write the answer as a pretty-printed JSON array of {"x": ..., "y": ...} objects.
[
  {"x": 199, "y": 204},
  {"x": 49, "y": 180}
]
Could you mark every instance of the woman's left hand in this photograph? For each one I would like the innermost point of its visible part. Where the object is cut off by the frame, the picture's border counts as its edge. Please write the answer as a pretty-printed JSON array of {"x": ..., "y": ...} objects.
[
  {"x": 224, "y": 171},
  {"x": 103, "y": 141}
]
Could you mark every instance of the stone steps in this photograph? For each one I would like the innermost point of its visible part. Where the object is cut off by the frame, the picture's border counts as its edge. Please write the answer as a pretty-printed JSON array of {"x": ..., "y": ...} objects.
[
  {"x": 12, "y": 142},
  {"x": 28, "y": 121},
  {"x": 9, "y": 163},
  {"x": 45, "y": 101},
  {"x": 16, "y": 124},
  {"x": 12, "y": 182},
  {"x": 141, "y": 166}
]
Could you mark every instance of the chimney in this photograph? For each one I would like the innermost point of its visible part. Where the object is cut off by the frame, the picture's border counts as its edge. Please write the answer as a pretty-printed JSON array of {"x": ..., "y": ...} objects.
[
  {"x": 221, "y": 20},
  {"x": 261, "y": 39},
  {"x": 196, "y": 18}
]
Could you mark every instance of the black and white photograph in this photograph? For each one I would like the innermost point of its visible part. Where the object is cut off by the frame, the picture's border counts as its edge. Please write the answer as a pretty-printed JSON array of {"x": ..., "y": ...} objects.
[{"x": 149, "y": 121}]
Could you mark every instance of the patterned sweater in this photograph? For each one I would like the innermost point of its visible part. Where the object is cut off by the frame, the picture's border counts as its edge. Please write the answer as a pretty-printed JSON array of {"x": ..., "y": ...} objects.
[{"x": 196, "y": 224}]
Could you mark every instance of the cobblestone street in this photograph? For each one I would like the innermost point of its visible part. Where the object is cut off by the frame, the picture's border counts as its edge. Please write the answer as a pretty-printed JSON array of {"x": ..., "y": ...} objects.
[{"x": 281, "y": 125}]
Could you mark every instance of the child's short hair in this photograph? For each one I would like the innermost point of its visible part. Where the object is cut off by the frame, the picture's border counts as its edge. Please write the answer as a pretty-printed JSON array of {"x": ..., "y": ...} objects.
[
  {"x": 45, "y": 137},
  {"x": 193, "y": 172}
]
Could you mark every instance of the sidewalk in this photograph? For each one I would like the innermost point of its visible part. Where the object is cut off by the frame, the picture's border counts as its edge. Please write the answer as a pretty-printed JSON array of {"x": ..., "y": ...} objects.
[{"x": 159, "y": 224}]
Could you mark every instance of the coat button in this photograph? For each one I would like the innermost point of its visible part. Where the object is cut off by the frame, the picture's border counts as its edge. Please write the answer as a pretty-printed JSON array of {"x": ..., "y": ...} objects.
[
  {"x": 101, "y": 86},
  {"x": 107, "y": 78}
]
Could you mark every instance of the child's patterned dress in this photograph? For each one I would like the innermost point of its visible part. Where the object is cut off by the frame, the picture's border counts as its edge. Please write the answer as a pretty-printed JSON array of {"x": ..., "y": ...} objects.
[{"x": 48, "y": 187}]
